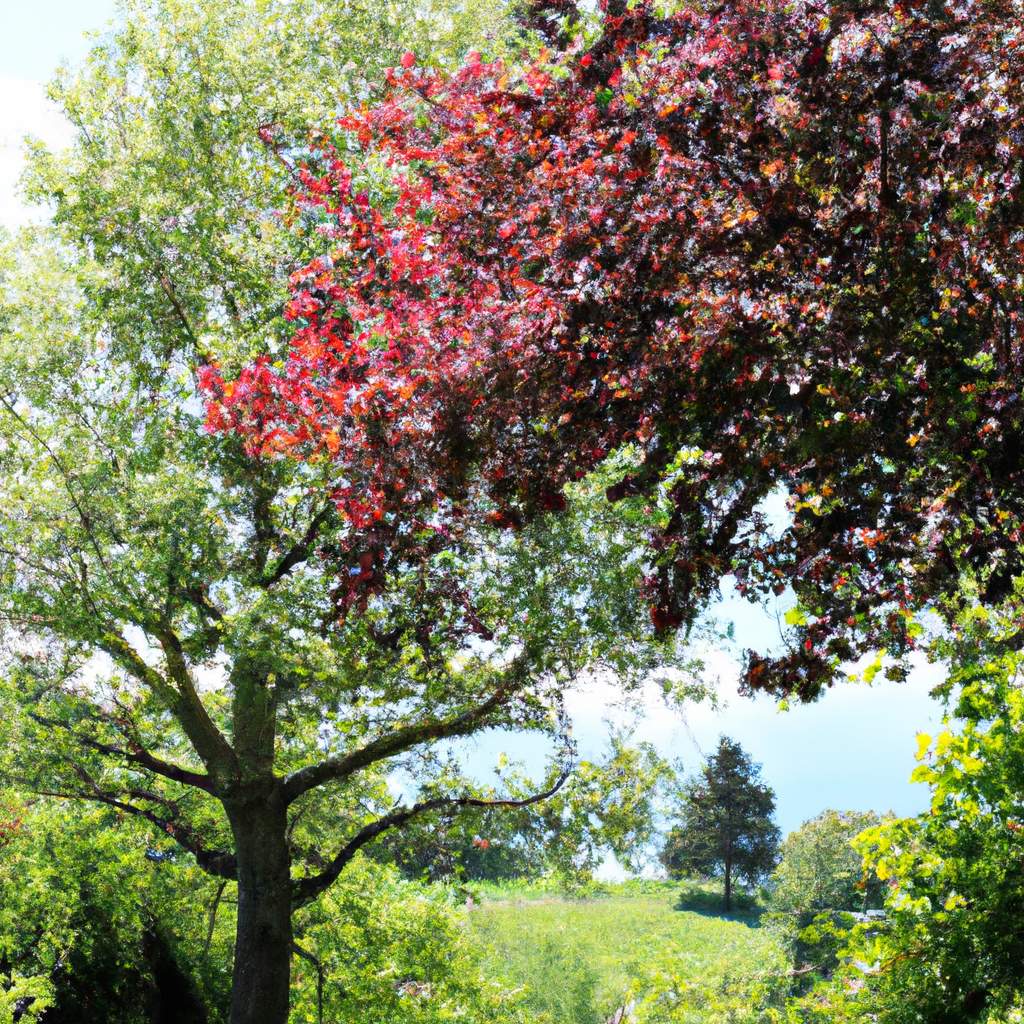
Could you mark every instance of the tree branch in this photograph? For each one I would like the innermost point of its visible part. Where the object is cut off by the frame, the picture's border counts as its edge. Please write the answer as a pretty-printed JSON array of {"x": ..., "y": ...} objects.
[
  {"x": 67, "y": 477},
  {"x": 180, "y": 697},
  {"x": 318, "y": 966},
  {"x": 210, "y": 743},
  {"x": 304, "y": 779},
  {"x": 299, "y": 552},
  {"x": 211, "y": 921},
  {"x": 137, "y": 755},
  {"x": 199, "y": 598},
  {"x": 308, "y": 889},
  {"x": 219, "y": 863}
]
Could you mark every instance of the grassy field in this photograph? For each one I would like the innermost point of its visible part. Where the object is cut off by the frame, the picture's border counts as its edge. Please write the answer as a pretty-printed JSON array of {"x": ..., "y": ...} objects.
[{"x": 579, "y": 959}]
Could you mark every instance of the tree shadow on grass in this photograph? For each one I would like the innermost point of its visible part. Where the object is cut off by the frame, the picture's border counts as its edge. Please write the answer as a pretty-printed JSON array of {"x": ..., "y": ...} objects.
[{"x": 699, "y": 899}]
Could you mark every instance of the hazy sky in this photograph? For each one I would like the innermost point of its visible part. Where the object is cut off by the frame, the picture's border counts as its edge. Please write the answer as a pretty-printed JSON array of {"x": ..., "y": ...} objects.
[
  {"x": 35, "y": 36},
  {"x": 851, "y": 750}
]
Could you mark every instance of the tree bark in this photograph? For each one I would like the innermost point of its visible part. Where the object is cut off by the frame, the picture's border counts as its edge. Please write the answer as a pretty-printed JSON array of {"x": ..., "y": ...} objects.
[
  {"x": 728, "y": 884},
  {"x": 263, "y": 938}
]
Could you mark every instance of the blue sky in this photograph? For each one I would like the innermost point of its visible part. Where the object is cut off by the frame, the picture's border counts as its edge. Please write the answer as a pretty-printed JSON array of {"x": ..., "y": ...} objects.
[
  {"x": 36, "y": 35},
  {"x": 851, "y": 750}
]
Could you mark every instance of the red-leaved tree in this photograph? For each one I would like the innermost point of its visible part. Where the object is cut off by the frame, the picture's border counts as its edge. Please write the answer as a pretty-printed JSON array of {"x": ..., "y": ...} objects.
[{"x": 763, "y": 246}]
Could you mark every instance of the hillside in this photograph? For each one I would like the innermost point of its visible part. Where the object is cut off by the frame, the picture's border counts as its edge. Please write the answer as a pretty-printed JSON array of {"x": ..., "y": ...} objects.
[{"x": 579, "y": 960}]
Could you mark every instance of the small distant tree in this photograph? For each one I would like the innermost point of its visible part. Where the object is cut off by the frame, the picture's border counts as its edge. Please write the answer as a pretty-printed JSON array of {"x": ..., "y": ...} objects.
[
  {"x": 725, "y": 822},
  {"x": 820, "y": 880},
  {"x": 819, "y": 869}
]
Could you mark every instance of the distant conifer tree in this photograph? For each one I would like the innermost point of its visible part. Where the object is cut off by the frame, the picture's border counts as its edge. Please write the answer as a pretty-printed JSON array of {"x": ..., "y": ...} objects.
[{"x": 726, "y": 824}]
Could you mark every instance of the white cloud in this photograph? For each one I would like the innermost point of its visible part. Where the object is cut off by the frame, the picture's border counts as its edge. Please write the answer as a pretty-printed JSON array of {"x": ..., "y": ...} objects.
[
  {"x": 24, "y": 110},
  {"x": 597, "y": 702}
]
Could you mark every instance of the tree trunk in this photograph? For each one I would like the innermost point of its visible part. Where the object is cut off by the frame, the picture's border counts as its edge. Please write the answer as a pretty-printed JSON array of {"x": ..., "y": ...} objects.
[
  {"x": 728, "y": 884},
  {"x": 263, "y": 939}
]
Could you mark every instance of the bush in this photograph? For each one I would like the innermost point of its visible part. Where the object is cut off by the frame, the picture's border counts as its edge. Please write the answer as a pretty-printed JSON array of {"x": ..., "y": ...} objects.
[
  {"x": 101, "y": 923},
  {"x": 951, "y": 946},
  {"x": 739, "y": 991},
  {"x": 394, "y": 951},
  {"x": 107, "y": 926}
]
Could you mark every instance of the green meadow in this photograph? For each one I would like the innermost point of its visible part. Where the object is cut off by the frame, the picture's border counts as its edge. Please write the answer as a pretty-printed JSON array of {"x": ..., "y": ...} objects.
[{"x": 579, "y": 959}]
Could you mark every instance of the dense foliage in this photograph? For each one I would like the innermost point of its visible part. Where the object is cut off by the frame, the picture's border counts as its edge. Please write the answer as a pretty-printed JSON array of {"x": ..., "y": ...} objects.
[
  {"x": 819, "y": 869},
  {"x": 725, "y": 823},
  {"x": 564, "y": 318},
  {"x": 105, "y": 920},
  {"x": 767, "y": 245},
  {"x": 100, "y": 921},
  {"x": 818, "y": 886},
  {"x": 173, "y": 640},
  {"x": 950, "y": 948}
]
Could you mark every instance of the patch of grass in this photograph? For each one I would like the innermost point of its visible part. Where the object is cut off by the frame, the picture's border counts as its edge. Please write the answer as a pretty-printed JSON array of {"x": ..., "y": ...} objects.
[
  {"x": 578, "y": 959},
  {"x": 522, "y": 889},
  {"x": 707, "y": 898},
  {"x": 554, "y": 887}
]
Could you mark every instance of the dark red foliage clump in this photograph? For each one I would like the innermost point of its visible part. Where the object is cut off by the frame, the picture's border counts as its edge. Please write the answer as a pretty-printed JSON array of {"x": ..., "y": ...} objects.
[{"x": 773, "y": 245}]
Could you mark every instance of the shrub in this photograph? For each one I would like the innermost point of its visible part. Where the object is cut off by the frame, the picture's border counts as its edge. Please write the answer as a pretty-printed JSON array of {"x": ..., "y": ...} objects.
[{"x": 739, "y": 991}]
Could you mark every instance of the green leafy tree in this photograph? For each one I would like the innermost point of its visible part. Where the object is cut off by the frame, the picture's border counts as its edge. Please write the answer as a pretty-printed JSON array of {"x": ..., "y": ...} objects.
[
  {"x": 819, "y": 869},
  {"x": 177, "y": 644},
  {"x": 725, "y": 822},
  {"x": 951, "y": 944},
  {"x": 819, "y": 883}
]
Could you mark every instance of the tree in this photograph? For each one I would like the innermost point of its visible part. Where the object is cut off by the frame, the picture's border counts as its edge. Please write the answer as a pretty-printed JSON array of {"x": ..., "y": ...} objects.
[
  {"x": 951, "y": 944},
  {"x": 634, "y": 243},
  {"x": 725, "y": 822},
  {"x": 607, "y": 806},
  {"x": 624, "y": 266},
  {"x": 179, "y": 640},
  {"x": 817, "y": 887},
  {"x": 819, "y": 869}
]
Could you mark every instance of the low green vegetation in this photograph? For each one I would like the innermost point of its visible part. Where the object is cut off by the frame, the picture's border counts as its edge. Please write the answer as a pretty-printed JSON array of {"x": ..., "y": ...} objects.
[{"x": 579, "y": 959}]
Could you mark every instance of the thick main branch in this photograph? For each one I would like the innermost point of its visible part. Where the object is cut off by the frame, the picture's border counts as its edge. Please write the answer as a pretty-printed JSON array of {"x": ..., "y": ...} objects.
[{"x": 396, "y": 742}]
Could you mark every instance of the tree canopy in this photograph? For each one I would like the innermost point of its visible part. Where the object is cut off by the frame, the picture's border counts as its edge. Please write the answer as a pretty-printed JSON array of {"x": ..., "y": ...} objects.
[
  {"x": 175, "y": 643},
  {"x": 759, "y": 246},
  {"x": 819, "y": 869}
]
